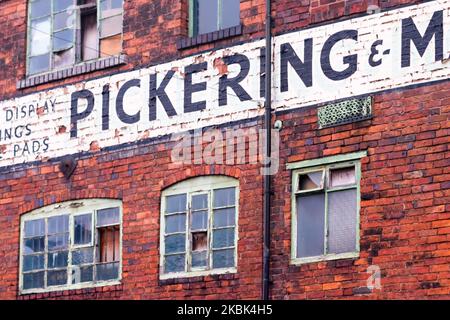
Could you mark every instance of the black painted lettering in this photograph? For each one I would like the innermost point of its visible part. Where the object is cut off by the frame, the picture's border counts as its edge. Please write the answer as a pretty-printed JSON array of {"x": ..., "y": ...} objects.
[
  {"x": 233, "y": 83},
  {"x": 76, "y": 116},
  {"x": 303, "y": 68}
]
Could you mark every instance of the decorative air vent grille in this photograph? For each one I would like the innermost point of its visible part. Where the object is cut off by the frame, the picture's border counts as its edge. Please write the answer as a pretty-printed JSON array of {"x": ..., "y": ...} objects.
[{"x": 345, "y": 112}]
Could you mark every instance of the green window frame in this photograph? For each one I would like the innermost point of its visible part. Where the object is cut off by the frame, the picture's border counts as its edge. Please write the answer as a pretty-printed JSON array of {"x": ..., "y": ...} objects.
[
  {"x": 55, "y": 32},
  {"x": 194, "y": 17},
  {"x": 184, "y": 259},
  {"x": 323, "y": 168}
]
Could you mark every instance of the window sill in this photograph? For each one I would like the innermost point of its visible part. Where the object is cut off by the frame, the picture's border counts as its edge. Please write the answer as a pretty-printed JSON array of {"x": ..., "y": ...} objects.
[
  {"x": 78, "y": 69},
  {"x": 340, "y": 256},
  {"x": 189, "y": 42},
  {"x": 192, "y": 274},
  {"x": 72, "y": 287}
]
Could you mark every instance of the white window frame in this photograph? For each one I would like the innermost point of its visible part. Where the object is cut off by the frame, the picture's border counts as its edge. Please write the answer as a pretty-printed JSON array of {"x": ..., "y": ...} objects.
[
  {"x": 72, "y": 209},
  {"x": 196, "y": 186},
  {"x": 325, "y": 164}
]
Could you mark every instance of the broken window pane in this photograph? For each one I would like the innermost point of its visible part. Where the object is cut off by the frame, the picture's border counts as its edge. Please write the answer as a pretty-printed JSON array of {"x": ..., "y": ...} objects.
[
  {"x": 63, "y": 39},
  {"x": 35, "y": 262},
  {"x": 342, "y": 177},
  {"x": 176, "y": 223},
  {"x": 174, "y": 263},
  {"x": 56, "y": 278},
  {"x": 35, "y": 228},
  {"x": 223, "y": 238},
  {"x": 310, "y": 181},
  {"x": 40, "y": 41},
  {"x": 207, "y": 16},
  {"x": 60, "y": 5},
  {"x": 58, "y": 224},
  {"x": 223, "y": 258},
  {"x": 57, "y": 259},
  {"x": 224, "y": 217},
  {"x": 39, "y": 63},
  {"x": 199, "y": 259},
  {"x": 89, "y": 37},
  {"x": 40, "y": 8},
  {"x": 175, "y": 243},
  {"x": 111, "y": 46},
  {"x": 199, "y": 241},
  {"x": 83, "y": 256},
  {"x": 310, "y": 225},
  {"x": 107, "y": 271},
  {"x": 342, "y": 221},
  {"x": 109, "y": 244},
  {"x": 34, "y": 245},
  {"x": 33, "y": 280},
  {"x": 107, "y": 217},
  {"x": 224, "y": 197},
  {"x": 64, "y": 58},
  {"x": 176, "y": 203},
  {"x": 82, "y": 229},
  {"x": 58, "y": 242},
  {"x": 199, "y": 220},
  {"x": 230, "y": 13},
  {"x": 111, "y": 26}
]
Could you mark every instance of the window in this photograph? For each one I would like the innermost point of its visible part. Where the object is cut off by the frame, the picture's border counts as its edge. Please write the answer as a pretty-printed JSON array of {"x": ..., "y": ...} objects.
[
  {"x": 325, "y": 212},
  {"x": 212, "y": 15},
  {"x": 65, "y": 32},
  {"x": 199, "y": 227},
  {"x": 71, "y": 245}
]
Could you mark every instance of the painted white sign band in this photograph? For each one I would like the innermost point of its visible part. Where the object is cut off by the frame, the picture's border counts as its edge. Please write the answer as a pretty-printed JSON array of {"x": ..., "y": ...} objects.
[{"x": 360, "y": 56}]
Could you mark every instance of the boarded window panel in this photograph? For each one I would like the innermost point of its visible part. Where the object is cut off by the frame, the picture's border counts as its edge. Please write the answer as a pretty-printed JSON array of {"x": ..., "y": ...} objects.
[
  {"x": 342, "y": 177},
  {"x": 107, "y": 217},
  {"x": 35, "y": 228},
  {"x": 33, "y": 280},
  {"x": 207, "y": 16},
  {"x": 224, "y": 197},
  {"x": 108, "y": 271},
  {"x": 111, "y": 46},
  {"x": 56, "y": 278},
  {"x": 57, "y": 259},
  {"x": 175, "y": 223},
  {"x": 89, "y": 35},
  {"x": 111, "y": 26},
  {"x": 310, "y": 225},
  {"x": 342, "y": 221},
  {"x": 230, "y": 12},
  {"x": 82, "y": 229},
  {"x": 109, "y": 244},
  {"x": 176, "y": 203},
  {"x": 175, "y": 243},
  {"x": 40, "y": 36},
  {"x": 310, "y": 181},
  {"x": 174, "y": 263},
  {"x": 35, "y": 262},
  {"x": 40, "y": 8},
  {"x": 223, "y": 258},
  {"x": 39, "y": 64}
]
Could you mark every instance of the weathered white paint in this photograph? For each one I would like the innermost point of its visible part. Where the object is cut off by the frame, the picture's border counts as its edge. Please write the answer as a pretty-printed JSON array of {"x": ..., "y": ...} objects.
[{"x": 44, "y": 128}]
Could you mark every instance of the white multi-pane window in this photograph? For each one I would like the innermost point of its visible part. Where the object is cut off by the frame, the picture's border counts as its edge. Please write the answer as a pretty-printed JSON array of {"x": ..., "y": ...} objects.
[
  {"x": 199, "y": 227},
  {"x": 325, "y": 221},
  {"x": 62, "y": 33},
  {"x": 71, "y": 245}
]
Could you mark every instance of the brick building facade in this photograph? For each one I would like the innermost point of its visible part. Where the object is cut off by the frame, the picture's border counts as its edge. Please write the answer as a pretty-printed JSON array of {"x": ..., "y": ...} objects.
[{"x": 122, "y": 156}]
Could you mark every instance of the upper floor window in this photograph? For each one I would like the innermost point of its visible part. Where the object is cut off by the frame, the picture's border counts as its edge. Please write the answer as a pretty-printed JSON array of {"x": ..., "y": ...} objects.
[
  {"x": 213, "y": 15},
  {"x": 325, "y": 212},
  {"x": 199, "y": 227},
  {"x": 71, "y": 245},
  {"x": 62, "y": 33}
]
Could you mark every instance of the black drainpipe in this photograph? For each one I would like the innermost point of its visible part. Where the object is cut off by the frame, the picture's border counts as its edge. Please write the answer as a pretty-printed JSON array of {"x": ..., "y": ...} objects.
[{"x": 267, "y": 127}]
